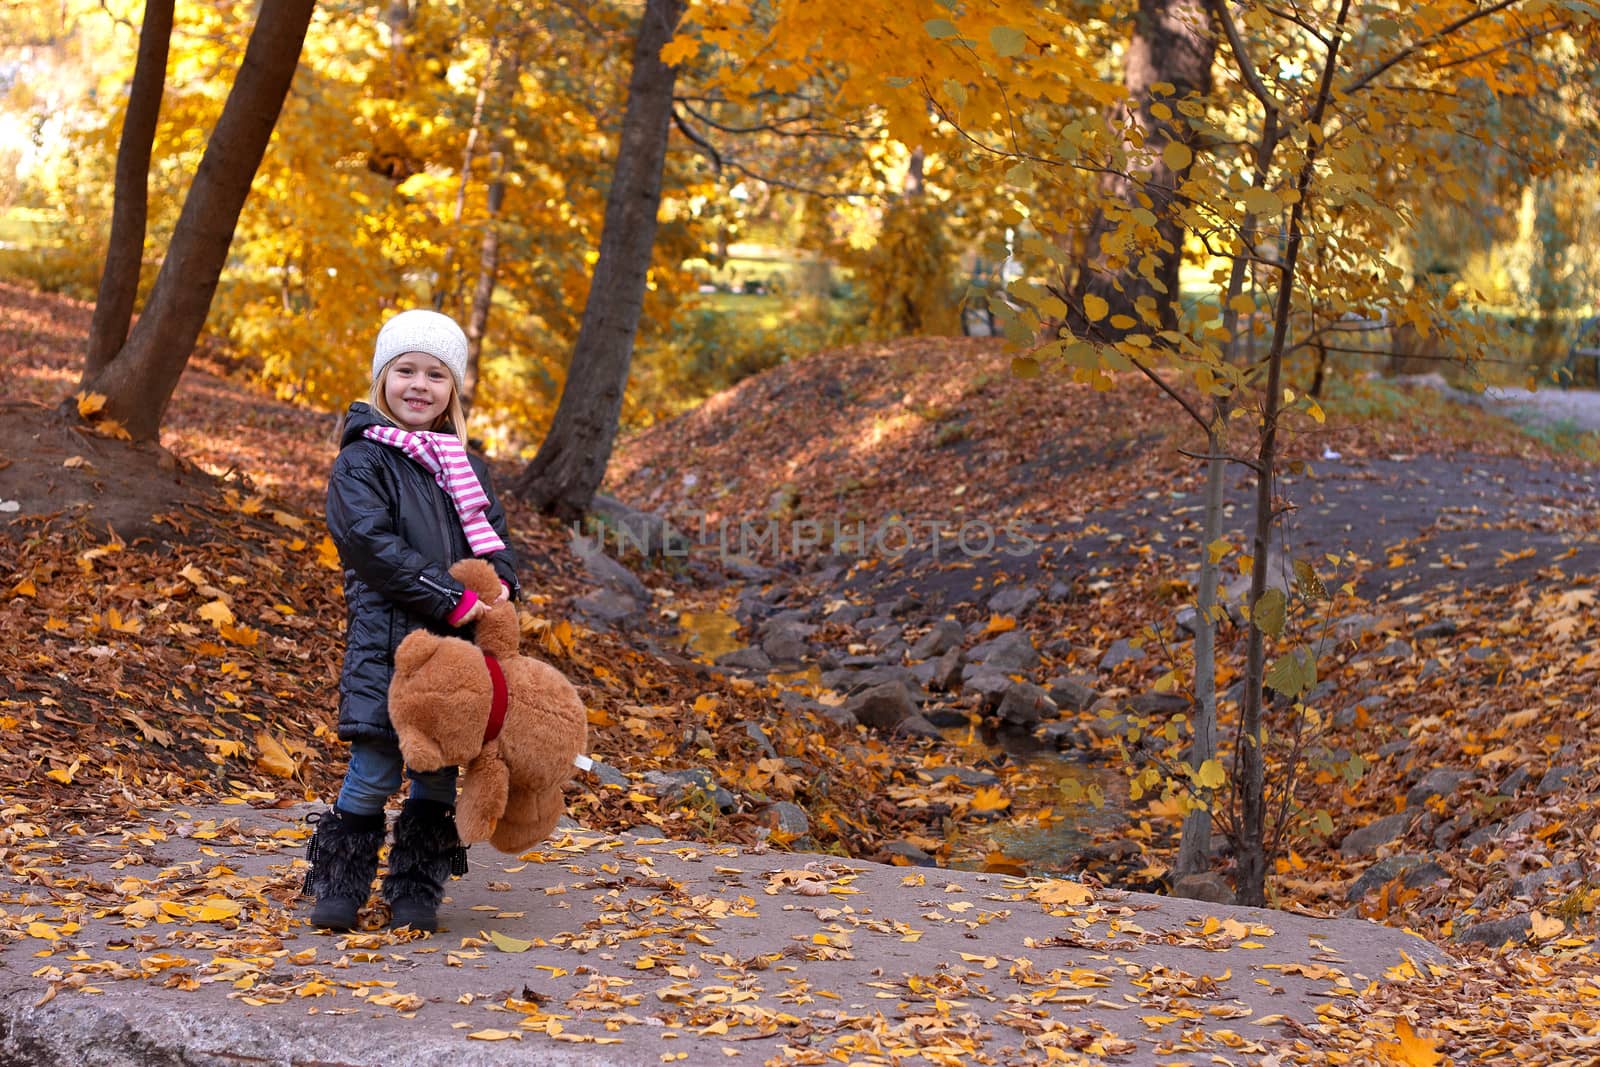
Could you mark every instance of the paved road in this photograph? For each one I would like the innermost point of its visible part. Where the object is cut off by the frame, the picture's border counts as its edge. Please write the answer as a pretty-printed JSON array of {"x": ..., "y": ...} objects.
[{"x": 615, "y": 951}]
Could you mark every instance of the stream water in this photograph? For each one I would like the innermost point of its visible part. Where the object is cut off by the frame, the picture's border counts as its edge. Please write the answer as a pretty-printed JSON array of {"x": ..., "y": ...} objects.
[{"x": 1057, "y": 804}]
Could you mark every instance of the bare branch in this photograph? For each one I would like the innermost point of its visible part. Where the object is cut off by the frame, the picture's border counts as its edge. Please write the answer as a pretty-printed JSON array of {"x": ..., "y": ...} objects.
[
  {"x": 1241, "y": 58},
  {"x": 1416, "y": 46}
]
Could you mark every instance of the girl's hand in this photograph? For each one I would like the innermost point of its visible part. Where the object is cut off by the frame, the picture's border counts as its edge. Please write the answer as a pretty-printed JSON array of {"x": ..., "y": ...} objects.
[
  {"x": 477, "y": 609},
  {"x": 505, "y": 591}
]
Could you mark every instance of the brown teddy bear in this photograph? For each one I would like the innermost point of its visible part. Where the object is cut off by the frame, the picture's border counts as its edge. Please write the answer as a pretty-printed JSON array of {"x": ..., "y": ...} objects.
[{"x": 514, "y": 722}]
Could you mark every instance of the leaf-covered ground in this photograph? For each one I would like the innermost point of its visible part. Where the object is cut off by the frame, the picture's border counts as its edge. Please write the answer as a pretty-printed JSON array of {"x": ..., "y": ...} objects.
[{"x": 196, "y": 656}]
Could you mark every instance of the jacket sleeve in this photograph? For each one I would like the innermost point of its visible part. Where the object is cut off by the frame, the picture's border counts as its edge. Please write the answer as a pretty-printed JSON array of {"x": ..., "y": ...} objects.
[
  {"x": 361, "y": 525},
  {"x": 505, "y": 560}
]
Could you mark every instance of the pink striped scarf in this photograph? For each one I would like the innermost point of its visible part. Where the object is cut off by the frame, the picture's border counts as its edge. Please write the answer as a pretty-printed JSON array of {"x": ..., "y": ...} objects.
[{"x": 446, "y": 460}]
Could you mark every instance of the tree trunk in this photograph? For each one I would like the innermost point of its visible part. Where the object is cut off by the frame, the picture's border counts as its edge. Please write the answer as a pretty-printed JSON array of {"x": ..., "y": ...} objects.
[
  {"x": 489, "y": 246},
  {"x": 483, "y": 292},
  {"x": 563, "y": 476},
  {"x": 139, "y": 380},
  {"x": 1172, "y": 43},
  {"x": 119, "y": 277}
]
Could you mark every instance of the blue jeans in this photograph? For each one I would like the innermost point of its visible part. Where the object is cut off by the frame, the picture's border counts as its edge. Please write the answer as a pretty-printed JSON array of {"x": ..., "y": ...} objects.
[{"x": 375, "y": 772}]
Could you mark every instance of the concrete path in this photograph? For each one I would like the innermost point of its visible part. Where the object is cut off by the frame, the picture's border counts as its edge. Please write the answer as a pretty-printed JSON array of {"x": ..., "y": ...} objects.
[{"x": 180, "y": 940}]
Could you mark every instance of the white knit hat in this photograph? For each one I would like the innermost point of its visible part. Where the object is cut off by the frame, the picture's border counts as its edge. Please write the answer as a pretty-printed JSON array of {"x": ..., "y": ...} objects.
[{"x": 421, "y": 330}]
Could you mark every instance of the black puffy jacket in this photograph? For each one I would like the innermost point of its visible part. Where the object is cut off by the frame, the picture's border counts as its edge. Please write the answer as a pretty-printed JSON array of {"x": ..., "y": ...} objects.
[{"x": 397, "y": 533}]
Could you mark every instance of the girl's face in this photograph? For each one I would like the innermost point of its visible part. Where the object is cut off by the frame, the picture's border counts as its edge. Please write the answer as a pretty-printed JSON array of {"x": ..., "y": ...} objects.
[{"x": 417, "y": 388}]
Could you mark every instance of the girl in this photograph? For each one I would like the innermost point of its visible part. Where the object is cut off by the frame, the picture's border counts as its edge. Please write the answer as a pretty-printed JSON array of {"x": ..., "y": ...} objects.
[{"x": 405, "y": 501}]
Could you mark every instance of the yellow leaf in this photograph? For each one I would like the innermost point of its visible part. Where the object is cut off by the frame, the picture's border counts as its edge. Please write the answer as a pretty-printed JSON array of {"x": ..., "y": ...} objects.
[
  {"x": 141, "y": 909},
  {"x": 274, "y": 758},
  {"x": 216, "y": 613},
  {"x": 1095, "y": 307},
  {"x": 63, "y": 774},
  {"x": 214, "y": 909},
  {"x": 1059, "y": 891},
  {"x": 1212, "y": 775},
  {"x": 115, "y": 620},
  {"x": 506, "y": 943},
  {"x": 1544, "y": 926},
  {"x": 1410, "y": 1050},
  {"x": 1261, "y": 201},
  {"x": 328, "y": 554},
  {"x": 999, "y": 624},
  {"x": 990, "y": 798},
  {"x": 43, "y": 931},
  {"x": 25, "y": 588},
  {"x": 293, "y": 522},
  {"x": 493, "y": 1035},
  {"x": 89, "y": 403},
  {"x": 1176, "y": 156},
  {"x": 680, "y": 48}
]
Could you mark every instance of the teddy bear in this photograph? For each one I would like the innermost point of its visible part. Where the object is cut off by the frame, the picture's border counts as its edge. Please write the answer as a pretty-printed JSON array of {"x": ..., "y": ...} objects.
[{"x": 515, "y": 723}]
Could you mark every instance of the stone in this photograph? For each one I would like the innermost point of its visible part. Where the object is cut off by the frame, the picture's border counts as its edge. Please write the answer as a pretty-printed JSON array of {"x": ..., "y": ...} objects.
[
  {"x": 1012, "y": 651},
  {"x": 1014, "y": 601},
  {"x": 1425, "y": 874},
  {"x": 943, "y": 636},
  {"x": 1072, "y": 694},
  {"x": 1437, "y": 628},
  {"x": 744, "y": 659},
  {"x": 609, "y": 775},
  {"x": 945, "y": 717},
  {"x": 904, "y": 604},
  {"x": 917, "y": 725},
  {"x": 788, "y": 818},
  {"x": 1556, "y": 779},
  {"x": 675, "y": 785},
  {"x": 1355, "y": 627},
  {"x": 792, "y": 620},
  {"x": 1159, "y": 704},
  {"x": 1208, "y": 887},
  {"x": 1449, "y": 832},
  {"x": 1347, "y": 716},
  {"x": 1396, "y": 649},
  {"x": 644, "y": 531},
  {"x": 1066, "y": 736},
  {"x": 882, "y": 707},
  {"x": 1024, "y": 704},
  {"x": 759, "y": 736},
  {"x": 1439, "y": 782},
  {"x": 785, "y": 646},
  {"x": 1381, "y": 874},
  {"x": 1514, "y": 782},
  {"x": 885, "y": 638},
  {"x": 605, "y": 607},
  {"x": 989, "y": 686},
  {"x": 1365, "y": 841},
  {"x": 1121, "y": 651},
  {"x": 1496, "y": 933},
  {"x": 946, "y": 673},
  {"x": 607, "y": 571},
  {"x": 971, "y": 777},
  {"x": 847, "y": 614},
  {"x": 909, "y": 854},
  {"x": 1530, "y": 884},
  {"x": 851, "y": 680}
]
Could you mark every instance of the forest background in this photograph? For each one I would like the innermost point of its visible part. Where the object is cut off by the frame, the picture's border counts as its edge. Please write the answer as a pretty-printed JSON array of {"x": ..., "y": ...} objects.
[{"x": 1240, "y": 210}]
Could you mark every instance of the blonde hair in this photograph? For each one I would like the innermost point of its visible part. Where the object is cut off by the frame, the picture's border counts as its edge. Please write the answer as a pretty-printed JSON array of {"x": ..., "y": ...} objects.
[{"x": 455, "y": 416}]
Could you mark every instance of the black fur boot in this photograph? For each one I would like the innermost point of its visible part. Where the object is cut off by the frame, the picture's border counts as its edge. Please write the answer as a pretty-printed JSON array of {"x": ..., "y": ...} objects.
[
  {"x": 426, "y": 853},
  {"x": 343, "y": 854}
]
